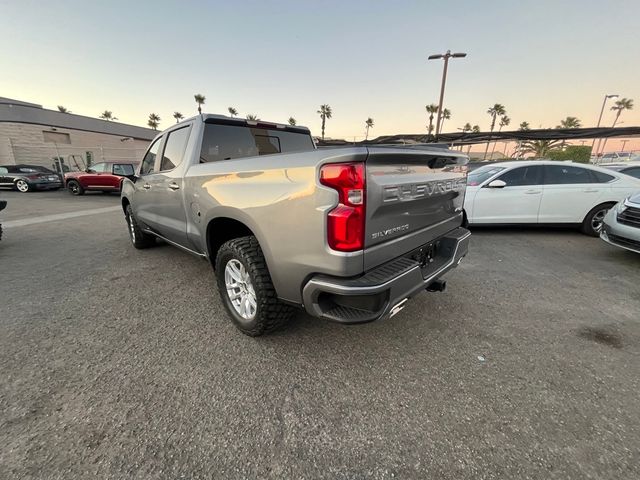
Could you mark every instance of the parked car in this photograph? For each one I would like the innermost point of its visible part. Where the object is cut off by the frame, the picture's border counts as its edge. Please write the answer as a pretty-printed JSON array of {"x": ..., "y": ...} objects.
[
  {"x": 3, "y": 205},
  {"x": 545, "y": 192},
  {"x": 26, "y": 178},
  {"x": 628, "y": 168},
  {"x": 349, "y": 234},
  {"x": 622, "y": 224},
  {"x": 105, "y": 177},
  {"x": 616, "y": 157}
]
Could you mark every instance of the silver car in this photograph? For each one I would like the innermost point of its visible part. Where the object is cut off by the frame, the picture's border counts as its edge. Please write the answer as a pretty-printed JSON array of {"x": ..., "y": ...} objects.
[{"x": 622, "y": 224}]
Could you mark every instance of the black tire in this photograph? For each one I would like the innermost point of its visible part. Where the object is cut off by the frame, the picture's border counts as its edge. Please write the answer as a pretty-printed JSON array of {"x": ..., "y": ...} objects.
[
  {"x": 139, "y": 239},
  {"x": 270, "y": 313},
  {"x": 75, "y": 188},
  {"x": 592, "y": 223},
  {"x": 0, "y": 232}
]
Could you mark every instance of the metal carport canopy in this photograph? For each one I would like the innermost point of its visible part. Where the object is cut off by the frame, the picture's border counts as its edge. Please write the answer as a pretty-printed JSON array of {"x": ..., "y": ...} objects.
[{"x": 540, "y": 134}]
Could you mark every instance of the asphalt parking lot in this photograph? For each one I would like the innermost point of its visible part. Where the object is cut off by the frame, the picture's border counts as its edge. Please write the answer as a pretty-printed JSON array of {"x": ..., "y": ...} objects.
[{"x": 118, "y": 363}]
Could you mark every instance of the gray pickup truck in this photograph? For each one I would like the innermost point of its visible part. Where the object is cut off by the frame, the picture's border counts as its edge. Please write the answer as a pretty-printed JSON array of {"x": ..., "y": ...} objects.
[{"x": 349, "y": 234}]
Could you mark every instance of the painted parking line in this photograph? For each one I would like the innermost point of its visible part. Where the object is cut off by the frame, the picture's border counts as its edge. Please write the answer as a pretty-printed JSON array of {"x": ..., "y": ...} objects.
[{"x": 58, "y": 216}]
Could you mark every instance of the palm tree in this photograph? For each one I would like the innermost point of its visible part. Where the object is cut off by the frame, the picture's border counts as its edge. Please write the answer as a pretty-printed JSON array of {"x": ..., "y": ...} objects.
[
  {"x": 495, "y": 111},
  {"x": 570, "y": 122},
  {"x": 200, "y": 101},
  {"x": 368, "y": 124},
  {"x": 524, "y": 126},
  {"x": 504, "y": 122},
  {"x": 233, "y": 112},
  {"x": 466, "y": 128},
  {"x": 253, "y": 117},
  {"x": 108, "y": 116},
  {"x": 431, "y": 110},
  {"x": 178, "y": 116},
  {"x": 620, "y": 105},
  {"x": 539, "y": 148},
  {"x": 325, "y": 113},
  {"x": 154, "y": 121},
  {"x": 292, "y": 121},
  {"x": 446, "y": 115},
  {"x": 63, "y": 109}
]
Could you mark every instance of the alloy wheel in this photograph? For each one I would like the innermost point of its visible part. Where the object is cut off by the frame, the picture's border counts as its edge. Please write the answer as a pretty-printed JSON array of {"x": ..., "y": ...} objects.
[
  {"x": 598, "y": 219},
  {"x": 240, "y": 289},
  {"x": 22, "y": 186}
]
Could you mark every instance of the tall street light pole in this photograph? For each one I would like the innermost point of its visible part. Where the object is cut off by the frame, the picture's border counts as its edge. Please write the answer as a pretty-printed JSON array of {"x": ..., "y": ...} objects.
[
  {"x": 624, "y": 142},
  {"x": 446, "y": 57},
  {"x": 604, "y": 102}
]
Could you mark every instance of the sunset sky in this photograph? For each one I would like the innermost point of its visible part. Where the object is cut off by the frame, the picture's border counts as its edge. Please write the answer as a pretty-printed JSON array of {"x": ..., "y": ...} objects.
[{"x": 543, "y": 60}]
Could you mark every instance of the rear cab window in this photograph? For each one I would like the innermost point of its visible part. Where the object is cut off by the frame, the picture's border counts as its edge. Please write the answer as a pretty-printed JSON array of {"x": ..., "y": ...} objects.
[{"x": 227, "y": 141}]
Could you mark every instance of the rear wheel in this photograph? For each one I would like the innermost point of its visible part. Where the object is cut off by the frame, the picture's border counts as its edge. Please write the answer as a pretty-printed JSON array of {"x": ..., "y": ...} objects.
[
  {"x": 23, "y": 186},
  {"x": 246, "y": 288},
  {"x": 592, "y": 224},
  {"x": 138, "y": 237},
  {"x": 75, "y": 188}
]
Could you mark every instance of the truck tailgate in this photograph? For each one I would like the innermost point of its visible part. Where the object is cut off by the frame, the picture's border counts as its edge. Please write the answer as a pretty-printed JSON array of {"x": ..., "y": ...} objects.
[{"x": 413, "y": 197}]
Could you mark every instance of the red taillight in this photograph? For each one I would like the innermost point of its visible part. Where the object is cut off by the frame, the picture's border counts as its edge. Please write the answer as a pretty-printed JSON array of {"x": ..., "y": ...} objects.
[
  {"x": 345, "y": 223},
  {"x": 33, "y": 177}
]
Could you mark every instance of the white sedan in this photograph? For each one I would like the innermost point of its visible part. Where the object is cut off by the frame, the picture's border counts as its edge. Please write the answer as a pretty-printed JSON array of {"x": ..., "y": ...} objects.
[{"x": 544, "y": 192}]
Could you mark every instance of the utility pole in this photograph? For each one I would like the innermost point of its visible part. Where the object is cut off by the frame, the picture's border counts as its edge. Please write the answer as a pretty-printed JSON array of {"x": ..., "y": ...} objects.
[
  {"x": 624, "y": 142},
  {"x": 445, "y": 57},
  {"x": 604, "y": 102}
]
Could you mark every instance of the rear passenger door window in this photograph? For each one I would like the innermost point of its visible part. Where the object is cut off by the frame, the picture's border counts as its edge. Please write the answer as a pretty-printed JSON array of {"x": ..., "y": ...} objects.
[
  {"x": 566, "y": 175},
  {"x": 174, "y": 148},
  {"x": 149, "y": 160},
  {"x": 600, "y": 177}
]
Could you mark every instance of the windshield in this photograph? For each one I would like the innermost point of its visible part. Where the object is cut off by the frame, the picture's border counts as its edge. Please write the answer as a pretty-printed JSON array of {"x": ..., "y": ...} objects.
[{"x": 479, "y": 175}]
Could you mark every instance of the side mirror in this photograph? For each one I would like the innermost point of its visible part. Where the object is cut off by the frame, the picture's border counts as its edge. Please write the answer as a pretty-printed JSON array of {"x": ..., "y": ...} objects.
[{"x": 497, "y": 184}]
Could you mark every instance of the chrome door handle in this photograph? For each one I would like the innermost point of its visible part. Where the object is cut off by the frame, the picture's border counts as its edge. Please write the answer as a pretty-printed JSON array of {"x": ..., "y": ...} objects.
[
  {"x": 591, "y": 190},
  {"x": 146, "y": 186},
  {"x": 532, "y": 192},
  {"x": 174, "y": 186}
]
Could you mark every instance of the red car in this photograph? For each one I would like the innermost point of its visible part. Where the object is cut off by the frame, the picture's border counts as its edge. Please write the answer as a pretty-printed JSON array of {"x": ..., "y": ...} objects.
[{"x": 105, "y": 177}]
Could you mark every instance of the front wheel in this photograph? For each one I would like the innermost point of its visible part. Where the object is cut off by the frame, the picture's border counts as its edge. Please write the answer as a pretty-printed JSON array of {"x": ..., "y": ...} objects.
[
  {"x": 246, "y": 288},
  {"x": 139, "y": 239},
  {"x": 22, "y": 186},
  {"x": 593, "y": 222},
  {"x": 75, "y": 188}
]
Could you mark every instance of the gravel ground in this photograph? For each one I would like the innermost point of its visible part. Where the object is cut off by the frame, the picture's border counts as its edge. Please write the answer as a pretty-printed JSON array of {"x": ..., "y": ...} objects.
[{"x": 118, "y": 363}]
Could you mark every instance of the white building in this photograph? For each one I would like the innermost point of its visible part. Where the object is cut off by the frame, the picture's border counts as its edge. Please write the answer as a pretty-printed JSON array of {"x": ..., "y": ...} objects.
[{"x": 33, "y": 135}]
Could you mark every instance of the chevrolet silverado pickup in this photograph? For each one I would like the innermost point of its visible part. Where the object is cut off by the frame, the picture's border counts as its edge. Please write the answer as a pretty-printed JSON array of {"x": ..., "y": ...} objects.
[{"x": 348, "y": 234}]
